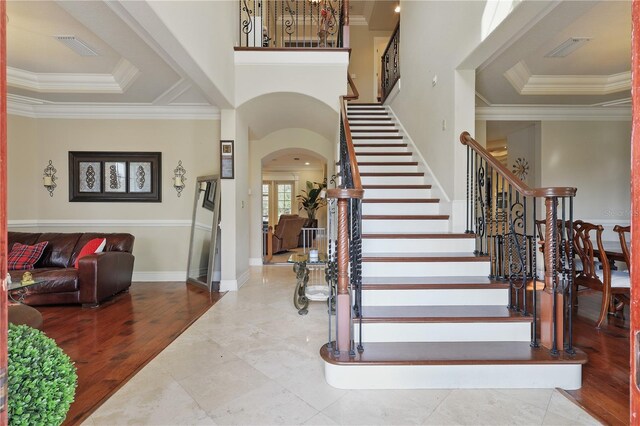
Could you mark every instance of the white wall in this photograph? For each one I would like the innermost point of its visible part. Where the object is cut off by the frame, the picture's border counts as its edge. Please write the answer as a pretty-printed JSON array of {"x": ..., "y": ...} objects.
[
  {"x": 276, "y": 141},
  {"x": 320, "y": 75},
  {"x": 435, "y": 37},
  {"x": 161, "y": 229},
  {"x": 595, "y": 157},
  {"x": 361, "y": 61}
]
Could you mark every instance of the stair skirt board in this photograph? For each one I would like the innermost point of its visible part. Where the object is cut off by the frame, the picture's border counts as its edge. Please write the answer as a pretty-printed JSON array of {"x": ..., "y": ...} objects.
[
  {"x": 417, "y": 245},
  {"x": 405, "y": 226},
  {"x": 487, "y": 331},
  {"x": 424, "y": 269},
  {"x": 436, "y": 297},
  {"x": 484, "y": 376}
]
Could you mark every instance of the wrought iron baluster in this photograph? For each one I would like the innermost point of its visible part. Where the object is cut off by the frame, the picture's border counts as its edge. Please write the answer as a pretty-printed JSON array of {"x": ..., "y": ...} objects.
[
  {"x": 554, "y": 256},
  {"x": 571, "y": 278},
  {"x": 534, "y": 330}
]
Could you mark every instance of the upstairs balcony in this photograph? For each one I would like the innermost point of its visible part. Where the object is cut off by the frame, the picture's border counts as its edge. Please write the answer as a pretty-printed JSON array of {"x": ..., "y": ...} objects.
[{"x": 294, "y": 24}]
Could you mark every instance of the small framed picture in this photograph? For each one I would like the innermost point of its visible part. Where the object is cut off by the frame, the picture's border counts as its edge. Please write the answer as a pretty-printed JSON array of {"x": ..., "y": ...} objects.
[{"x": 226, "y": 160}]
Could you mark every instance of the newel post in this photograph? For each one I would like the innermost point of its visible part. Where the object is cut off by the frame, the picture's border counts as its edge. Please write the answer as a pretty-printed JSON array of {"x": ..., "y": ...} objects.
[
  {"x": 345, "y": 24},
  {"x": 343, "y": 297},
  {"x": 551, "y": 301}
]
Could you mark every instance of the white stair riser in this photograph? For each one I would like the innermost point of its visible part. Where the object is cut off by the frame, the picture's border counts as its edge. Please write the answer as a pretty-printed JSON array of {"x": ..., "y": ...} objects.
[
  {"x": 373, "y": 133},
  {"x": 365, "y": 149},
  {"x": 387, "y": 169},
  {"x": 368, "y": 116},
  {"x": 417, "y": 245},
  {"x": 385, "y": 158},
  {"x": 424, "y": 269},
  {"x": 485, "y": 376},
  {"x": 377, "y": 141},
  {"x": 356, "y": 122},
  {"x": 392, "y": 180},
  {"x": 439, "y": 297},
  {"x": 400, "y": 208},
  {"x": 371, "y": 226},
  {"x": 397, "y": 193},
  {"x": 358, "y": 126},
  {"x": 444, "y": 332}
]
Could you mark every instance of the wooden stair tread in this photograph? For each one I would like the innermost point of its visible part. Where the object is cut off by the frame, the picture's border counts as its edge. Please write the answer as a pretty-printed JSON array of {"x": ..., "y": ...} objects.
[
  {"x": 452, "y": 353},
  {"x": 352, "y": 119},
  {"x": 351, "y": 104},
  {"x": 396, "y": 186},
  {"x": 360, "y": 137},
  {"x": 431, "y": 283},
  {"x": 424, "y": 257},
  {"x": 366, "y": 112},
  {"x": 387, "y": 163},
  {"x": 401, "y": 200},
  {"x": 370, "y": 124},
  {"x": 406, "y": 216},
  {"x": 378, "y": 153},
  {"x": 451, "y": 313},
  {"x": 379, "y": 145},
  {"x": 375, "y": 130},
  {"x": 417, "y": 236},
  {"x": 390, "y": 174}
]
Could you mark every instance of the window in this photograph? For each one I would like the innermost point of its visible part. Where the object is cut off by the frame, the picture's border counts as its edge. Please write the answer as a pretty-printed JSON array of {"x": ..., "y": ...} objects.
[{"x": 284, "y": 191}]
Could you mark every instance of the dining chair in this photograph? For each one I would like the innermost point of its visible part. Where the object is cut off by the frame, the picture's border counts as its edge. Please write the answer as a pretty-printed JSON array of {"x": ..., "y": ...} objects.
[
  {"x": 610, "y": 283},
  {"x": 623, "y": 231}
]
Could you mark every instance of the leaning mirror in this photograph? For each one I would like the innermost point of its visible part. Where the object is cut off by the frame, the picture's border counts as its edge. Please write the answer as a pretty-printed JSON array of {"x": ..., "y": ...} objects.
[{"x": 204, "y": 245}]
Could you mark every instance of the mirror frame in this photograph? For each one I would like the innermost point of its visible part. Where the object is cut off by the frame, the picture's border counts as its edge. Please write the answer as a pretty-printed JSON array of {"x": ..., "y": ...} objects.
[{"x": 214, "y": 230}]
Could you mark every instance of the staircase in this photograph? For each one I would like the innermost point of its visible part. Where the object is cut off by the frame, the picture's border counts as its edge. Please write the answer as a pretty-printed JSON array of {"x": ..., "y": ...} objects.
[{"x": 430, "y": 316}]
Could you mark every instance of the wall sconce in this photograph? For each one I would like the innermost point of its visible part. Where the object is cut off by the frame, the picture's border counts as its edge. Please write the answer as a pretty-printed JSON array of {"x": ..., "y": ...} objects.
[
  {"x": 49, "y": 178},
  {"x": 179, "y": 178}
]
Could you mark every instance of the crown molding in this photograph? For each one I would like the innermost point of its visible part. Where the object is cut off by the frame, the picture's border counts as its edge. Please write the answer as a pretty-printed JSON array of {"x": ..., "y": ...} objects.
[
  {"x": 35, "y": 108},
  {"x": 553, "y": 113},
  {"x": 358, "y": 21},
  {"x": 122, "y": 77},
  {"x": 526, "y": 83}
]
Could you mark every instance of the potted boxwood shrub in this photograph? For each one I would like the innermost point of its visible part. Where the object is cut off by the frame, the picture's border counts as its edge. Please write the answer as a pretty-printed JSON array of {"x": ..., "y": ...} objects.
[{"x": 42, "y": 378}]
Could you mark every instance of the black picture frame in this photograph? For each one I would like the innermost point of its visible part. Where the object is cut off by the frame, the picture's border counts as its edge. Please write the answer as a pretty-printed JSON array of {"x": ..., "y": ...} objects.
[
  {"x": 208, "y": 201},
  {"x": 227, "y": 168},
  {"x": 93, "y": 186}
]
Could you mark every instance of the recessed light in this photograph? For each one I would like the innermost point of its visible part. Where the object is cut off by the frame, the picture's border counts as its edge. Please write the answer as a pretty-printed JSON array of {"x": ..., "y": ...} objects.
[
  {"x": 397, "y": 9},
  {"x": 296, "y": 158},
  {"x": 307, "y": 163}
]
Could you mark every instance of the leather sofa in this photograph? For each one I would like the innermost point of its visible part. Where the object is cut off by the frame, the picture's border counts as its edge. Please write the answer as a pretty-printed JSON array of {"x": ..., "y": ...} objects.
[
  {"x": 98, "y": 277},
  {"x": 287, "y": 232}
]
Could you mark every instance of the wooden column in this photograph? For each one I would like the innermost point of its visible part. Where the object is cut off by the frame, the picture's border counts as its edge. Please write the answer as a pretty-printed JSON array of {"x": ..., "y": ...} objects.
[
  {"x": 635, "y": 219},
  {"x": 3, "y": 212},
  {"x": 343, "y": 298},
  {"x": 547, "y": 295}
]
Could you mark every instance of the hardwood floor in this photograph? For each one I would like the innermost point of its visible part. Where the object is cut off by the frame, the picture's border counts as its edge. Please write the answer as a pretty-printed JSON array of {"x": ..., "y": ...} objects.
[
  {"x": 605, "y": 377},
  {"x": 109, "y": 344}
]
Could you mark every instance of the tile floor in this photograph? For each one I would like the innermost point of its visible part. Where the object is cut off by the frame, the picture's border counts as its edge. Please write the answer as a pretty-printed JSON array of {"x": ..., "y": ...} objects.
[{"x": 251, "y": 359}]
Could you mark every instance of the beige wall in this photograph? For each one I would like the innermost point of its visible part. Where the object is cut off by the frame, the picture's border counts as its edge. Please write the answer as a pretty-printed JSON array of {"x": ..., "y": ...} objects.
[
  {"x": 361, "y": 62},
  {"x": 161, "y": 229},
  {"x": 594, "y": 157}
]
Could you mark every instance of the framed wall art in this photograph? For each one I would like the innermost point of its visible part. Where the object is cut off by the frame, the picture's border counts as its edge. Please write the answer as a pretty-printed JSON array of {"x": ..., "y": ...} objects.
[
  {"x": 115, "y": 176},
  {"x": 226, "y": 160}
]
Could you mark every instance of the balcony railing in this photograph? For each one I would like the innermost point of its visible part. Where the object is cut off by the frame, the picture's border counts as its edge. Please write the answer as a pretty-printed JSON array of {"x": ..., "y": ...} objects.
[
  {"x": 292, "y": 23},
  {"x": 390, "y": 66}
]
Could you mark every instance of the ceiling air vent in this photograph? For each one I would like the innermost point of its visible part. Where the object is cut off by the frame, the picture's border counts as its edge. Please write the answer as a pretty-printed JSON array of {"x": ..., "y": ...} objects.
[
  {"x": 566, "y": 48},
  {"x": 77, "y": 45}
]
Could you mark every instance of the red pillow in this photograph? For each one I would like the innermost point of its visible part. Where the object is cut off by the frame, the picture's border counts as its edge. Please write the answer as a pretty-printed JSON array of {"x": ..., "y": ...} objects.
[
  {"x": 24, "y": 257},
  {"x": 93, "y": 246}
]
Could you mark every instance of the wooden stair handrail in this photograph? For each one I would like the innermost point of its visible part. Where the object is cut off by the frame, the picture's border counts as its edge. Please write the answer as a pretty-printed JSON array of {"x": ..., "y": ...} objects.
[
  {"x": 354, "y": 90},
  {"x": 520, "y": 186},
  {"x": 357, "y": 183}
]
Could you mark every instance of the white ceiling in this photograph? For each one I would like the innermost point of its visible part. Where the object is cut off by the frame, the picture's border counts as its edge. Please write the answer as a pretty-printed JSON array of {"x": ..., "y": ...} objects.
[
  {"x": 292, "y": 160},
  {"x": 42, "y": 72},
  {"x": 596, "y": 73}
]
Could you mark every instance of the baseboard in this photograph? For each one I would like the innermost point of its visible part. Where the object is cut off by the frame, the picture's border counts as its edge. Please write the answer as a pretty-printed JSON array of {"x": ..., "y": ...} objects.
[
  {"x": 242, "y": 279},
  {"x": 146, "y": 276},
  {"x": 255, "y": 261},
  {"x": 234, "y": 285}
]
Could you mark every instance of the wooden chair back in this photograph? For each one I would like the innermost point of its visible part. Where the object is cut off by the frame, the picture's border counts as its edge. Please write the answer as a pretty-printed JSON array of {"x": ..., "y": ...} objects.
[{"x": 622, "y": 231}]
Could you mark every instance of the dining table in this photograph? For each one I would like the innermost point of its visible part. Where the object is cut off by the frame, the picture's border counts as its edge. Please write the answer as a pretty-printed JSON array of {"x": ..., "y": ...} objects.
[{"x": 613, "y": 250}]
